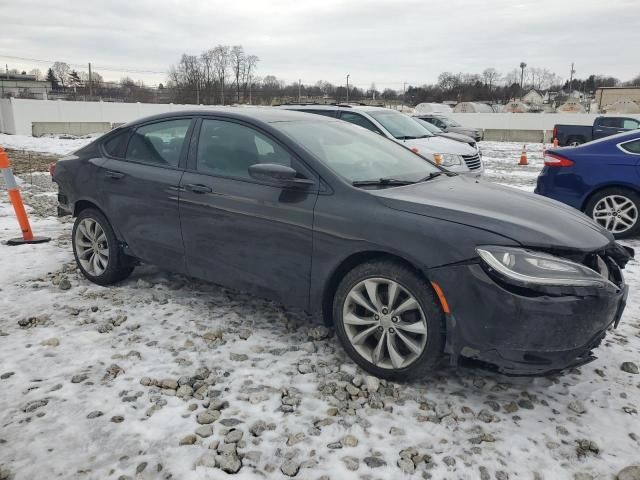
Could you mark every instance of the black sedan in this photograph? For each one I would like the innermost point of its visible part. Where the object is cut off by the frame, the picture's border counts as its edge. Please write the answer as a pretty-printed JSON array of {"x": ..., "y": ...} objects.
[{"x": 408, "y": 262}]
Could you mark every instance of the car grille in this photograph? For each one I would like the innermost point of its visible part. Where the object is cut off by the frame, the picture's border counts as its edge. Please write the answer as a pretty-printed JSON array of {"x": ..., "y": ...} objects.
[{"x": 473, "y": 161}]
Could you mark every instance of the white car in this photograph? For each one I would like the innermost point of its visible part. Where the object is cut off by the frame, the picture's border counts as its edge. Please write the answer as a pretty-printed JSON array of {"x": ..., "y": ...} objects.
[{"x": 456, "y": 156}]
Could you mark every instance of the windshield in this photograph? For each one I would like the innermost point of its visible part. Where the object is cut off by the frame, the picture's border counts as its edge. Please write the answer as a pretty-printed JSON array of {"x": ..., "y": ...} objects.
[
  {"x": 450, "y": 122},
  {"x": 400, "y": 126},
  {"x": 357, "y": 154},
  {"x": 429, "y": 126}
]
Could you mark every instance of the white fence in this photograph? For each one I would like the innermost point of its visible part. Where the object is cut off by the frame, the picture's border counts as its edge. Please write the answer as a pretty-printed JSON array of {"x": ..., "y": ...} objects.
[{"x": 17, "y": 116}]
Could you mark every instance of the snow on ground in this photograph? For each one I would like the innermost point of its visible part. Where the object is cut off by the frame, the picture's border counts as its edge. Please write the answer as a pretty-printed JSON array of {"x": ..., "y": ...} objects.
[
  {"x": 88, "y": 379},
  {"x": 47, "y": 144}
]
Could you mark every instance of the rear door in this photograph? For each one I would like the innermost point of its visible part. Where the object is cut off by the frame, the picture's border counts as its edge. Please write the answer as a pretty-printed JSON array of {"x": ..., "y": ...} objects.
[
  {"x": 140, "y": 191},
  {"x": 240, "y": 232}
]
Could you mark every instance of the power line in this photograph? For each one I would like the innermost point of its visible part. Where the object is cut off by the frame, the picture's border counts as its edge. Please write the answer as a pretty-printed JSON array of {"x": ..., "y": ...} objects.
[{"x": 107, "y": 68}]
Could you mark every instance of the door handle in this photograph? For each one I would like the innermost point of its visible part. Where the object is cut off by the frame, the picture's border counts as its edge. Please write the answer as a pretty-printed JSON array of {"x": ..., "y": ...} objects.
[
  {"x": 113, "y": 174},
  {"x": 198, "y": 188}
]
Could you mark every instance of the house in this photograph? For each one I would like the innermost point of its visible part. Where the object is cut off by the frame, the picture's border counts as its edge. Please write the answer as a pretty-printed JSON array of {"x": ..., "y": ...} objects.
[
  {"x": 533, "y": 97},
  {"x": 23, "y": 86}
]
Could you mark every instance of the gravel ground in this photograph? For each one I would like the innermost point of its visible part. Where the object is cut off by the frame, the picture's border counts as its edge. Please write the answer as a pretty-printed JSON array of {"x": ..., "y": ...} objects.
[{"x": 168, "y": 377}]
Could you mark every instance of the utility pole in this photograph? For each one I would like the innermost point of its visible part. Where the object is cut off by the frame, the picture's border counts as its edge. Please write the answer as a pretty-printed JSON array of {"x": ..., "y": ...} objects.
[
  {"x": 347, "y": 88},
  {"x": 90, "y": 83},
  {"x": 404, "y": 92},
  {"x": 299, "y": 89}
]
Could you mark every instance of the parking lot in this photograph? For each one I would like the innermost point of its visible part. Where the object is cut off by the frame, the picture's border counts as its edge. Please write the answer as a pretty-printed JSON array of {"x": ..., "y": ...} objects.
[{"x": 152, "y": 377}]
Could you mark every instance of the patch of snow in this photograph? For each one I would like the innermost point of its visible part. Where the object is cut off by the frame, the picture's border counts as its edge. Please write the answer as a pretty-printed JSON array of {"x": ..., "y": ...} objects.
[{"x": 158, "y": 325}]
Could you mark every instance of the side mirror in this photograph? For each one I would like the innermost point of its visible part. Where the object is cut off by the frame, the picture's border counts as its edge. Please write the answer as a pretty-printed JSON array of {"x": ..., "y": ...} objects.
[{"x": 278, "y": 174}]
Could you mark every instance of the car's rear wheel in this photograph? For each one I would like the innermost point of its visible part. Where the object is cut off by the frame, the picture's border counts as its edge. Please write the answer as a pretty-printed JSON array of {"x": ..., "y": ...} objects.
[
  {"x": 96, "y": 249},
  {"x": 617, "y": 210},
  {"x": 388, "y": 320},
  {"x": 575, "y": 141}
]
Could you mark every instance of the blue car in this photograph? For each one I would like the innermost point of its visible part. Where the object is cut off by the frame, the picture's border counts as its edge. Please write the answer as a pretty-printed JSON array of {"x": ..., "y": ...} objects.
[{"x": 600, "y": 178}]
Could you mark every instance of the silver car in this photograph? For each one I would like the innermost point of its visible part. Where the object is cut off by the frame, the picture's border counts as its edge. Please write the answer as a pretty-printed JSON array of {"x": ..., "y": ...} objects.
[{"x": 456, "y": 156}]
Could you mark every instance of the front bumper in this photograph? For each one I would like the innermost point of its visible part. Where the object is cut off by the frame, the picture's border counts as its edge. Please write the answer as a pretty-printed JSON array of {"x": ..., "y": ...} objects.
[{"x": 523, "y": 332}]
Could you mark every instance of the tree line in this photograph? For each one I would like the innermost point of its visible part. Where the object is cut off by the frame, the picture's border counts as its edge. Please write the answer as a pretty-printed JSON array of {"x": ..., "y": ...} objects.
[{"x": 228, "y": 74}]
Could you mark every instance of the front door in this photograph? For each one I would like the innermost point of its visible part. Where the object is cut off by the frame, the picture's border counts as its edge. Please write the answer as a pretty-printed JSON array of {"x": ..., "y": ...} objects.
[
  {"x": 240, "y": 232},
  {"x": 140, "y": 192}
]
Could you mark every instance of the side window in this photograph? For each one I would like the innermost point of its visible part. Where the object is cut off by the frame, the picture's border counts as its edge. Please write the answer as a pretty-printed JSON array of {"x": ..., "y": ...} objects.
[
  {"x": 611, "y": 122},
  {"x": 116, "y": 144},
  {"x": 229, "y": 149},
  {"x": 159, "y": 143},
  {"x": 632, "y": 147},
  {"x": 437, "y": 122},
  {"x": 358, "y": 120},
  {"x": 630, "y": 124}
]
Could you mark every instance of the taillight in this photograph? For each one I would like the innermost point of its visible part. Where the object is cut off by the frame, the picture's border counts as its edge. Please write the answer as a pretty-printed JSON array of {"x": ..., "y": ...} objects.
[
  {"x": 555, "y": 160},
  {"x": 52, "y": 168}
]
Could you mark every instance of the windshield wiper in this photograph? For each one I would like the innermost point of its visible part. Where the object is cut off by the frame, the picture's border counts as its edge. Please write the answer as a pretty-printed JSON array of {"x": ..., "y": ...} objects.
[
  {"x": 431, "y": 176},
  {"x": 381, "y": 181},
  {"x": 406, "y": 137}
]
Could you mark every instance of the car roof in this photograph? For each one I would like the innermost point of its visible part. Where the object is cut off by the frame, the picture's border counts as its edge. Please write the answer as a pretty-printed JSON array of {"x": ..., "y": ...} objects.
[
  {"x": 261, "y": 114},
  {"x": 342, "y": 107}
]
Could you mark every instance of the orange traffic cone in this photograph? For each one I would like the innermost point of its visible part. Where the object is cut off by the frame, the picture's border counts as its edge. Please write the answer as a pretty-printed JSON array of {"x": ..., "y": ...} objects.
[
  {"x": 523, "y": 156},
  {"x": 18, "y": 206},
  {"x": 555, "y": 143}
]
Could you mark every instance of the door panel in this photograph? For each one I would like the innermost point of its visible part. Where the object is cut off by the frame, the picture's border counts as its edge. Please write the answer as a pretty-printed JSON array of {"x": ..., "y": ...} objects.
[
  {"x": 141, "y": 192},
  {"x": 141, "y": 201},
  {"x": 242, "y": 233}
]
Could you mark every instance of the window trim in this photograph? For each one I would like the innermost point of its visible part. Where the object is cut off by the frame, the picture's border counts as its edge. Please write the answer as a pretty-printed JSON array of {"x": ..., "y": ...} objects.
[
  {"x": 183, "y": 152},
  {"x": 623, "y": 150},
  {"x": 114, "y": 133},
  {"x": 192, "y": 160}
]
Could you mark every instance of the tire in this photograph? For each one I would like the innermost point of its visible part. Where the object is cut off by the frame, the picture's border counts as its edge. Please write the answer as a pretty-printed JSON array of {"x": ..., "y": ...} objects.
[
  {"x": 614, "y": 208},
  {"x": 102, "y": 262},
  {"x": 426, "y": 318},
  {"x": 575, "y": 141}
]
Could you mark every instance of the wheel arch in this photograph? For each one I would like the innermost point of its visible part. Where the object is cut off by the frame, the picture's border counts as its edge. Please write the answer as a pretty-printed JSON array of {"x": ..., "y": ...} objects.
[
  {"x": 349, "y": 263},
  {"x": 625, "y": 186}
]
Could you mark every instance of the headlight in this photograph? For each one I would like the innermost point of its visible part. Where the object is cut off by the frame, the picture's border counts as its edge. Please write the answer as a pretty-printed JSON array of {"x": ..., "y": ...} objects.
[
  {"x": 529, "y": 268},
  {"x": 450, "y": 160}
]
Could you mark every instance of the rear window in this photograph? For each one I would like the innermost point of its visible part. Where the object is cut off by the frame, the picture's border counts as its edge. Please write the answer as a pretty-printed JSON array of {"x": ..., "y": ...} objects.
[{"x": 632, "y": 147}]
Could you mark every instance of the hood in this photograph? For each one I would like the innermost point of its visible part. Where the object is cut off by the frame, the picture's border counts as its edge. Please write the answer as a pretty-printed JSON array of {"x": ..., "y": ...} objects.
[
  {"x": 458, "y": 137},
  {"x": 437, "y": 144},
  {"x": 529, "y": 219},
  {"x": 469, "y": 131}
]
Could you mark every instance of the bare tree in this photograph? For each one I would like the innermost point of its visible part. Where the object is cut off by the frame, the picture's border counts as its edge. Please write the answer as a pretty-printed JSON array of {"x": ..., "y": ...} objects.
[
  {"x": 490, "y": 77},
  {"x": 221, "y": 60},
  {"x": 248, "y": 73},
  {"x": 237, "y": 66},
  {"x": 61, "y": 70},
  {"x": 208, "y": 75},
  {"x": 36, "y": 73}
]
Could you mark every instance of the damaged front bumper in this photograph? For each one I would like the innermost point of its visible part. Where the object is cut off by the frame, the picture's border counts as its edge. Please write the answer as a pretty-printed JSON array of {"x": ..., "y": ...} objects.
[{"x": 526, "y": 332}]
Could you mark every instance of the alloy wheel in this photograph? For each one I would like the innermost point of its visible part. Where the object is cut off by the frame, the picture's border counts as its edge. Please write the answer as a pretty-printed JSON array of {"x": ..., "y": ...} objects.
[
  {"x": 384, "y": 323},
  {"x": 616, "y": 213},
  {"x": 92, "y": 247}
]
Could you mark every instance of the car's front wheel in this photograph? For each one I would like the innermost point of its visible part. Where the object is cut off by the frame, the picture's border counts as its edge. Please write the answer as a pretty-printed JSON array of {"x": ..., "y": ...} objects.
[
  {"x": 96, "y": 249},
  {"x": 388, "y": 320}
]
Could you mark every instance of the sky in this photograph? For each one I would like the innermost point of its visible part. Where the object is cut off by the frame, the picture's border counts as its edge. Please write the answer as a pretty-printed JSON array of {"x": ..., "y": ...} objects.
[{"x": 386, "y": 42}]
